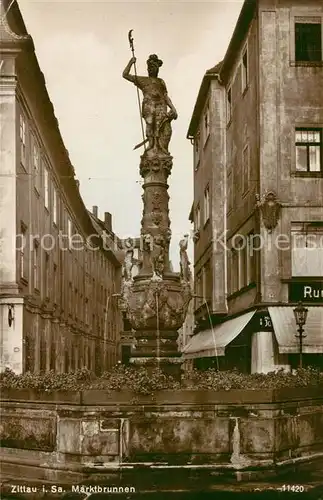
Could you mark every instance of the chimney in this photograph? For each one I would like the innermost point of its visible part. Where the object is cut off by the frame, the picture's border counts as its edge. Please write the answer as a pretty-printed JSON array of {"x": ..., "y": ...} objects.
[
  {"x": 108, "y": 221},
  {"x": 95, "y": 211}
]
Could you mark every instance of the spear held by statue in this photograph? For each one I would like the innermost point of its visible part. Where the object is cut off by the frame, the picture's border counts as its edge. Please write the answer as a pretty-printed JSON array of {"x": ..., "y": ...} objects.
[{"x": 131, "y": 43}]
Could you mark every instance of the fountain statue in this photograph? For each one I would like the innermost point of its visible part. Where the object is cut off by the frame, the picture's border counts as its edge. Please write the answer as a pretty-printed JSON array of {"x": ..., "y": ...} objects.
[{"x": 156, "y": 299}]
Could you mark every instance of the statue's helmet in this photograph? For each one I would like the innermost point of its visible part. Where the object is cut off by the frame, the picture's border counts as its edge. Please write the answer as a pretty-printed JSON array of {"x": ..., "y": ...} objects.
[{"x": 153, "y": 62}]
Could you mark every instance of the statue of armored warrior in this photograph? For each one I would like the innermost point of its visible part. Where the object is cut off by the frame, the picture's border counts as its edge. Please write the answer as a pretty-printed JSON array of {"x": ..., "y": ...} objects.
[
  {"x": 184, "y": 261},
  {"x": 155, "y": 104},
  {"x": 128, "y": 261}
]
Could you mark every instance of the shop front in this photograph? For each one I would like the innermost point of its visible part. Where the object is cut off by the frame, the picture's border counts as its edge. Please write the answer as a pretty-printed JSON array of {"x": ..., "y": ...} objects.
[{"x": 260, "y": 341}]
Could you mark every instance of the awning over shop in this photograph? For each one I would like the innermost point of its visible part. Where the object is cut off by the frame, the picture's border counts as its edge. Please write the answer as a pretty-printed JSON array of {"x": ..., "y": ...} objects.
[
  {"x": 211, "y": 343},
  {"x": 285, "y": 329}
]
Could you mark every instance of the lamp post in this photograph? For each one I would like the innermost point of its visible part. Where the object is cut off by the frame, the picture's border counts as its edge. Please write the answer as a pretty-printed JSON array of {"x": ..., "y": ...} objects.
[{"x": 300, "y": 313}]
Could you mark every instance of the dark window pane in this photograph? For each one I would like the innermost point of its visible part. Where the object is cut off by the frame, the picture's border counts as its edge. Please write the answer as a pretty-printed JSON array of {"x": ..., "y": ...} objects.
[
  {"x": 308, "y": 42},
  {"x": 301, "y": 158}
]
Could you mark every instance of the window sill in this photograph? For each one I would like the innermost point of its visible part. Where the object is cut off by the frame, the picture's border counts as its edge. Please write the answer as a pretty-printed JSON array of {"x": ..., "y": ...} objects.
[
  {"x": 309, "y": 64},
  {"x": 24, "y": 280},
  {"x": 37, "y": 192},
  {"x": 314, "y": 175},
  {"x": 245, "y": 193},
  {"x": 302, "y": 279},
  {"x": 229, "y": 123},
  {"x": 241, "y": 291}
]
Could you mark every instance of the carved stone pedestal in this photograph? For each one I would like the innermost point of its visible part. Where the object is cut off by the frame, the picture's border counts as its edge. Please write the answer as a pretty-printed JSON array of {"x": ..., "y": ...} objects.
[{"x": 156, "y": 309}]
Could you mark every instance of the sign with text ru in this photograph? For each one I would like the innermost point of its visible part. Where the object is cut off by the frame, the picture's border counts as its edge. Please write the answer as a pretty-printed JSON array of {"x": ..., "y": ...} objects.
[{"x": 306, "y": 292}]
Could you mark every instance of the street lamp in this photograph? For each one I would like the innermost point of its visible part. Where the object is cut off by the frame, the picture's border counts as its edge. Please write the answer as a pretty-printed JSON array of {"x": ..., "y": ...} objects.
[{"x": 300, "y": 313}]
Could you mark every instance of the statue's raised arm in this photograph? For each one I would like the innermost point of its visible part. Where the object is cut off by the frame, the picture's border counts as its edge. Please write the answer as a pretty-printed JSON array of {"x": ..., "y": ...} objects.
[
  {"x": 126, "y": 71},
  {"x": 155, "y": 104}
]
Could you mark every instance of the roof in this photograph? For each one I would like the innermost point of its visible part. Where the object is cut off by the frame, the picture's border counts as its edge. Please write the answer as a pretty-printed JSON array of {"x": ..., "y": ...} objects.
[
  {"x": 111, "y": 243},
  {"x": 247, "y": 14},
  {"x": 210, "y": 74},
  {"x": 215, "y": 69},
  {"x": 191, "y": 214},
  {"x": 8, "y": 35}
]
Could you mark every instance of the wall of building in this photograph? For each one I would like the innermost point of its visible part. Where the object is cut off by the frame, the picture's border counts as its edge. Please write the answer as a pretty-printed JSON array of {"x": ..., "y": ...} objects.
[
  {"x": 242, "y": 164},
  {"x": 291, "y": 96},
  {"x": 68, "y": 317},
  {"x": 267, "y": 94},
  {"x": 203, "y": 143}
]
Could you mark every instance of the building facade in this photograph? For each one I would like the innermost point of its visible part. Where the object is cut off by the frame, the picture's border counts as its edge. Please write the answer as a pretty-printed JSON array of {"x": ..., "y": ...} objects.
[
  {"x": 57, "y": 275},
  {"x": 258, "y": 191}
]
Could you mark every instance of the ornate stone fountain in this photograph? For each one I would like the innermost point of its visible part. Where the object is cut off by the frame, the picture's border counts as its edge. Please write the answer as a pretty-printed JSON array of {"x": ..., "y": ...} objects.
[{"x": 156, "y": 300}]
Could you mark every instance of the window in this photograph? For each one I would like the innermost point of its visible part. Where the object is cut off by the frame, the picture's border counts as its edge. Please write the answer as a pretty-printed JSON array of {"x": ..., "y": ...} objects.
[
  {"x": 242, "y": 264},
  {"x": 46, "y": 188},
  {"x": 198, "y": 218},
  {"x": 229, "y": 105},
  {"x": 76, "y": 303},
  {"x": 42, "y": 353},
  {"x": 70, "y": 298},
  {"x": 308, "y": 144},
  {"x": 307, "y": 249},
  {"x": 234, "y": 269},
  {"x": 46, "y": 275},
  {"x": 308, "y": 40},
  {"x": 203, "y": 285},
  {"x": 245, "y": 169},
  {"x": 250, "y": 256},
  {"x": 207, "y": 281},
  {"x": 69, "y": 228},
  {"x": 230, "y": 190},
  {"x": 244, "y": 70},
  {"x": 198, "y": 290},
  {"x": 52, "y": 355},
  {"x": 55, "y": 206},
  {"x": 69, "y": 233},
  {"x": 86, "y": 311},
  {"x": 36, "y": 264},
  {"x": 22, "y": 139},
  {"x": 36, "y": 166},
  {"x": 206, "y": 123},
  {"x": 197, "y": 149},
  {"x": 55, "y": 284},
  {"x": 206, "y": 204},
  {"x": 23, "y": 253}
]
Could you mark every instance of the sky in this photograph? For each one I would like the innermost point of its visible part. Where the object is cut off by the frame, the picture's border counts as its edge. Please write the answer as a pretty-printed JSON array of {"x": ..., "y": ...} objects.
[{"x": 82, "y": 48}]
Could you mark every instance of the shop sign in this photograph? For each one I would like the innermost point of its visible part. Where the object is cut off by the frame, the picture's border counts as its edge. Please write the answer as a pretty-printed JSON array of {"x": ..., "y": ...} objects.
[{"x": 306, "y": 292}]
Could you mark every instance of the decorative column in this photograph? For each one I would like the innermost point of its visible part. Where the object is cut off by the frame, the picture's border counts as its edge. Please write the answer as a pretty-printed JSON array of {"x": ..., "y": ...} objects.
[{"x": 156, "y": 300}]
